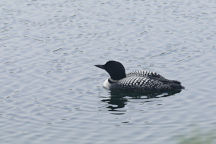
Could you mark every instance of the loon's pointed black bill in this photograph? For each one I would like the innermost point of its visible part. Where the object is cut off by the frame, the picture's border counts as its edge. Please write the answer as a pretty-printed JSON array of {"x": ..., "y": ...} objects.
[{"x": 100, "y": 66}]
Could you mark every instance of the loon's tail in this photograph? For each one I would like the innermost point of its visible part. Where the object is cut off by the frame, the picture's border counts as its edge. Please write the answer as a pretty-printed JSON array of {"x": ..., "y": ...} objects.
[
  {"x": 176, "y": 82},
  {"x": 176, "y": 85},
  {"x": 173, "y": 84}
]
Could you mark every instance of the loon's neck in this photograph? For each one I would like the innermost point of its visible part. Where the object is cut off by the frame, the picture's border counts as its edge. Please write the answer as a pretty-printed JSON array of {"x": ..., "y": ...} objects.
[{"x": 110, "y": 80}]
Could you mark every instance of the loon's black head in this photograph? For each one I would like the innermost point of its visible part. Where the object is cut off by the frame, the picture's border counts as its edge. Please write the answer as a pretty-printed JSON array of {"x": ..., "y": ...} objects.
[{"x": 115, "y": 69}]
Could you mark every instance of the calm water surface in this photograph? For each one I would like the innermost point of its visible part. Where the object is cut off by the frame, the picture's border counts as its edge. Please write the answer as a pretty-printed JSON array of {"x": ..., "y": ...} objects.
[{"x": 52, "y": 93}]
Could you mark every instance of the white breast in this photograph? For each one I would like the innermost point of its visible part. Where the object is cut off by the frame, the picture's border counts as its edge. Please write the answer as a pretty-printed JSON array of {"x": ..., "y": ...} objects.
[{"x": 106, "y": 84}]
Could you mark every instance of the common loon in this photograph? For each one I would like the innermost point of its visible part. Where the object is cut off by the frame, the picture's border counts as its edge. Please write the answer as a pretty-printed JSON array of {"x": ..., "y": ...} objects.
[{"x": 136, "y": 81}]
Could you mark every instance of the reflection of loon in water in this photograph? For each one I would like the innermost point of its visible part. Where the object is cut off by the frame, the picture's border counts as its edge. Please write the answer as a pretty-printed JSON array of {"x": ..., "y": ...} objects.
[{"x": 118, "y": 99}]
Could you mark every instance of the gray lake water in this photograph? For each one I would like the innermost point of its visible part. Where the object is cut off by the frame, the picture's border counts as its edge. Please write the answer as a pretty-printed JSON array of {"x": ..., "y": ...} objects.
[{"x": 51, "y": 93}]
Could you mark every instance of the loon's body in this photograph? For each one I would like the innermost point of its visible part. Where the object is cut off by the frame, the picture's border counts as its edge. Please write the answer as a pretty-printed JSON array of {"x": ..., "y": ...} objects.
[{"x": 137, "y": 81}]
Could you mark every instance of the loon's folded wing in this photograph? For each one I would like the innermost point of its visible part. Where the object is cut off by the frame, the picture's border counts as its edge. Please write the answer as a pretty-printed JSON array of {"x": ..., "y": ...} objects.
[
  {"x": 143, "y": 73},
  {"x": 151, "y": 75},
  {"x": 142, "y": 83},
  {"x": 145, "y": 84}
]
